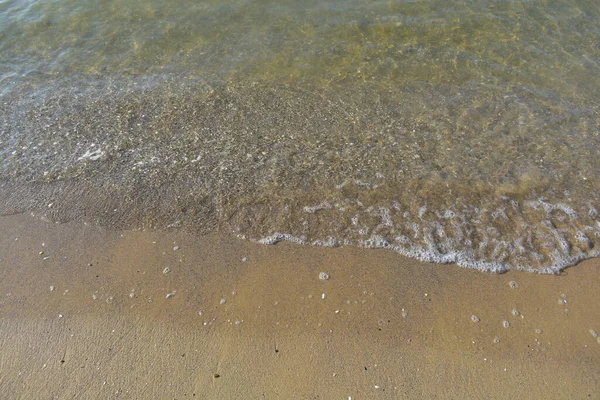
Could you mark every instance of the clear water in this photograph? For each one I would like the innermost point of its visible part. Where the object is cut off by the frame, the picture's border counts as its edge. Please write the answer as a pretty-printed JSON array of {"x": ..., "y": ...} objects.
[{"x": 449, "y": 131}]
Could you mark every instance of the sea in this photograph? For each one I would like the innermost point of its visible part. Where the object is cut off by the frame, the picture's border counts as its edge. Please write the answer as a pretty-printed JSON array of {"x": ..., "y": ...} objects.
[{"x": 449, "y": 131}]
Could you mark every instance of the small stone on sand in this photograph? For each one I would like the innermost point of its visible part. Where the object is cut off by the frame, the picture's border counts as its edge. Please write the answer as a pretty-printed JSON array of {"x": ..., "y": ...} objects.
[
  {"x": 593, "y": 333},
  {"x": 475, "y": 318},
  {"x": 513, "y": 284},
  {"x": 175, "y": 248},
  {"x": 505, "y": 324},
  {"x": 52, "y": 288},
  {"x": 169, "y": 295},
  {"x": 244, "y": 259},
  {"x": 515, "y": 312},
  {"x": 323, "y": 276},
  {"x": 222, "y": 301},
  {"x": 166, "y": 270}
]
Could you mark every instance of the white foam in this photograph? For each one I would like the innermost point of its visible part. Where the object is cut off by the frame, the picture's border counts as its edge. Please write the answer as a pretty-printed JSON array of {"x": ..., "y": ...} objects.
[
  {"x": 278, "y": 237},
  {"x": 313, "y": 209},
  {"x": 330, "y": 242},
  {"x": 93, "y": 155},
  {"x": 460, "y": 236}
]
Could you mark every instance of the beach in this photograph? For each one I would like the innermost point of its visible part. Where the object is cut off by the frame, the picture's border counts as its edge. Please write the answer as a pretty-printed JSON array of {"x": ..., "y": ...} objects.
[
  {"x": 88, "y": 312},
  {"x": 299, "y": 200}
]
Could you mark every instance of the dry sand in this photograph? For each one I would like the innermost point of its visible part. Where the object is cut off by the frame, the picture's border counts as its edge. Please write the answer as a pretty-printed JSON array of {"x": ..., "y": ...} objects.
[{"x": 84, "y": 314}]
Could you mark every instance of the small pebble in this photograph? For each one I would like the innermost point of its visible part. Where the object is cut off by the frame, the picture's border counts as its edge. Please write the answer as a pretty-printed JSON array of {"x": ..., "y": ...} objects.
[
  {"x": 539, "y": 331},
  {"x": 593, "y": 333},
  {"x": 175, "y": 248},
  {"x": 562, "y": 302},
  {"x": 222, "y": 301},
  {"x": 513, "y": 284},
  {"x": 515, "y": 312},
  {"x": 475, "y": 318},
  {"x": 52, "y": 288},
  {"x": 132, "y": 295},
  {"x": 323, "y": 276},
  {"x": 404, "y": 313},
  {"x": 169, "y": 295},
  {"x": 505, "y": 324},
  {"x": 497, "y": 340},
  {"x": 323, "y": 296},
  {"x": 166, "y": 270},
  {"x": 244, "y": 259}
]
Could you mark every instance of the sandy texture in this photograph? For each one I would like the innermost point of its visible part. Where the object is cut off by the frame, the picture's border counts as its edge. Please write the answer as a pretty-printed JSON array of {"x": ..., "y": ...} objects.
[{"x": 84, "y": 313}]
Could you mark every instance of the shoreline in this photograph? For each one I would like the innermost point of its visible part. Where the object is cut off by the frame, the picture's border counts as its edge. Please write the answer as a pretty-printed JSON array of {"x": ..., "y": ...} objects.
[
  {"x": 353, "y": 163},
  {"x": 90, "y": 312}
]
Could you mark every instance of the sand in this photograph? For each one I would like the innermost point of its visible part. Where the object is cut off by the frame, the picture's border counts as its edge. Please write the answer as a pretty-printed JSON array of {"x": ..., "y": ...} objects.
[{"x": 92, "y": 313}]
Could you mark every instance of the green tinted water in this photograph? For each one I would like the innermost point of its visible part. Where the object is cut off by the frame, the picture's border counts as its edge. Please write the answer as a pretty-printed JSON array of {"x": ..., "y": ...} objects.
[{"x": 452, "y": 131}]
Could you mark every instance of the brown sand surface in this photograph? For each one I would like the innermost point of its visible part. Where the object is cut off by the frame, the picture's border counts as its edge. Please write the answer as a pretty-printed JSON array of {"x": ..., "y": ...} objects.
[{"x": 84, "y": 314}]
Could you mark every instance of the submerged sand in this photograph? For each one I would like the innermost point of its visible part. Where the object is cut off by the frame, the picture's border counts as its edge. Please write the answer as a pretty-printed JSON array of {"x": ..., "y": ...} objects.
[{"x": 92, "y": 313}]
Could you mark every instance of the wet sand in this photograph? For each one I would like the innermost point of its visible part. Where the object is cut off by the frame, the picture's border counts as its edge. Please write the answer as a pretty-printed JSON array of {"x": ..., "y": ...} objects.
[{"x": 92, "y": 313}]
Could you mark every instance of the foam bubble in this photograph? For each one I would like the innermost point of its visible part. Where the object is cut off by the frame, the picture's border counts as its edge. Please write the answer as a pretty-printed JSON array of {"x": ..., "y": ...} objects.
[
  {"x": 313, "y": 209},
  {"x": 330, "y": 242},
  {"x": 278, "y": 237},
  {"x": 528, "y": 235}
]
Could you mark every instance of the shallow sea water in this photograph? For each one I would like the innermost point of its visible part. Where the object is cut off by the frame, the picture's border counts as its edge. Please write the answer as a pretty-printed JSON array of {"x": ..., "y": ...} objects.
[{"x": 449, "y": 131}]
